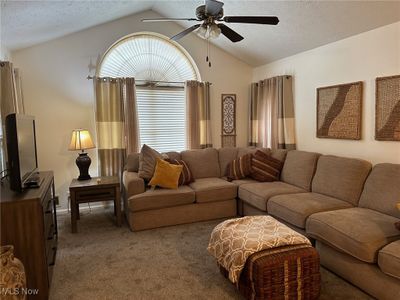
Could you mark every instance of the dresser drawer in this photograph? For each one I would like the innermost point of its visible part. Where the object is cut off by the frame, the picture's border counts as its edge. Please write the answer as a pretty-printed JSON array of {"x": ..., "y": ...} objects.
[
  {"x": 46, "y": 202},
  {"x": 49, "y": 226},
  {"x": 98, "y": 194}
]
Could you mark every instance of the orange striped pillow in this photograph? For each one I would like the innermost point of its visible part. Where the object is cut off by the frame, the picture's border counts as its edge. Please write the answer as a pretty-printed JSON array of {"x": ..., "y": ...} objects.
[
  {"x": 264, "y": 167},
  {"x": 240, "y": 168}
]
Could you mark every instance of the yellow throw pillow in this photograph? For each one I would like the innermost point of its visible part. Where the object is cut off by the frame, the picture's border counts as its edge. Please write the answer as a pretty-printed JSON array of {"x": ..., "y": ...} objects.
[{"x": 166, "y": 175}]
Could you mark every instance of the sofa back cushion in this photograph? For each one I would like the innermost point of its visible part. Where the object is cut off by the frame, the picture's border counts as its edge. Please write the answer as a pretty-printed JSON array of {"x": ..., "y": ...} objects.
[
  {"x": 173, "y": 155},
  {"x": 279, "y": 154},
  {"x": 341, "y": 177},
  {"x": 299, "y": 168},
  {"x": 226, "y": 156},
  {"x": 203, "y": 163},
  {"x": 382, "y": 189},
  {"x": 245, "y": 150}
]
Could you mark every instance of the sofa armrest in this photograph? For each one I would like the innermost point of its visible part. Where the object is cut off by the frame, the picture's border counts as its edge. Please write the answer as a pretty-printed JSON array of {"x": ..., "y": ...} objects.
[{"x": 133, "y": 184}]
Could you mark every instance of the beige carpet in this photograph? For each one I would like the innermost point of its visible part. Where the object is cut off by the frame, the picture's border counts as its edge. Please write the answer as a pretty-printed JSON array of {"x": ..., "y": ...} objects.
[{"x": 103, "y": 261}]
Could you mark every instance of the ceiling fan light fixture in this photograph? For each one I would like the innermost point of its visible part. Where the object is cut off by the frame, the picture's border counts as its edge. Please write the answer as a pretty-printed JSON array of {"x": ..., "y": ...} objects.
[
  {"x": 202, "y": 31},
  {"x": 214, "y": 31}
]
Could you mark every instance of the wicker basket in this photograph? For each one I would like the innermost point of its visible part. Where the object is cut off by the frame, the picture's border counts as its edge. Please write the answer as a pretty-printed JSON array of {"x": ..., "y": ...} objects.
[{"x": 281, "y": 273}]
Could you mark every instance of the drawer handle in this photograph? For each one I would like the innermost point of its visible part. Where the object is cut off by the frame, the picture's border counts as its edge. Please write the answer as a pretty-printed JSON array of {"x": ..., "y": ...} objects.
[
  {"x": 54, "y": 256},
  {"x": 51, "y": 230}
]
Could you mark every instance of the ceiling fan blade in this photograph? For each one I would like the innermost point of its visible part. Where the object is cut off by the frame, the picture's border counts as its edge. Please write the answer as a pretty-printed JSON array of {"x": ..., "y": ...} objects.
[
  {"x": 269, "y": 20},
  {"x": 213, "y": 7},
  {"x": 230, "y": 34},
  {"x": 169, "y": 19},
  {"x": 185, "y": 32}
]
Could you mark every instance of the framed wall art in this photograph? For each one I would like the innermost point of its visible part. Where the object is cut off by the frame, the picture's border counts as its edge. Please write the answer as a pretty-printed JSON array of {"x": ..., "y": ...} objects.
[
  {"x": 387, "y": 108},
  {"x": 228, "y": 120},
  {"x": 339, "y": 109}
]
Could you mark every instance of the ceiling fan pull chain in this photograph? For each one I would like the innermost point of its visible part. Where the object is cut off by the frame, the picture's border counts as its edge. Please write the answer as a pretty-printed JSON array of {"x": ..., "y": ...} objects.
[{"x": 208, "y": 58}]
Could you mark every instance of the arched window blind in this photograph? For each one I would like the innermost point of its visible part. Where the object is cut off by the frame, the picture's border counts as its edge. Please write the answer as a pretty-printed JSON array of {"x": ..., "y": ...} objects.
[{"x": 150, "y": 58}]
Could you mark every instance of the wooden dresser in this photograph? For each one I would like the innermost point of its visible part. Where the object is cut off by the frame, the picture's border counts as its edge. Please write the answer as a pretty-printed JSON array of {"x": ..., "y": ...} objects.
[{"x": 29, "y": 223}]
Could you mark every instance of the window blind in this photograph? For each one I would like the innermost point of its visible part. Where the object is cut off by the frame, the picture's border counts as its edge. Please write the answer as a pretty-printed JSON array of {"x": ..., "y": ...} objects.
[{"x": 162, "y": 122}]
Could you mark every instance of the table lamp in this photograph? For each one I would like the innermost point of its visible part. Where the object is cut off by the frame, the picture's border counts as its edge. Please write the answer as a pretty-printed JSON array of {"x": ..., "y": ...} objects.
[{"x": 81, "y": 140}]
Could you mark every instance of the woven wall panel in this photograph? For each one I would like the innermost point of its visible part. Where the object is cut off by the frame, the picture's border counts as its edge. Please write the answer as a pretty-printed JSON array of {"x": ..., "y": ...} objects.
[
  {"x": 387, "y": 111},
  {"x": 339, "y": 111}
]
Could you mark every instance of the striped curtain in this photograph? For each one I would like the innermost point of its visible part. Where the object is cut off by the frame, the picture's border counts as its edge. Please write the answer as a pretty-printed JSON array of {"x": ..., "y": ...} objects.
[
  {"x": 271, "y": 114},
  {"x": 198, "y": 121},
  {"x": 116, "y": 123},
  {"x": 11, "y": 101}
]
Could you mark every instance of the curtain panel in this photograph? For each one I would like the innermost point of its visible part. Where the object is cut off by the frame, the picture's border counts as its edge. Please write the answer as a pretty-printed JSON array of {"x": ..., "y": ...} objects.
[
  {"x": 11, "y": 101},
  {"x": 116, "y": 123},
  {"x": 271, "y": 114},
  {"x": 198, "y": 121}
]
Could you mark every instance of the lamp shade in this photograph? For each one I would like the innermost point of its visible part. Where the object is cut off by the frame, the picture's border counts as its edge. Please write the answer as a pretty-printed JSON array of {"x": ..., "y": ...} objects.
[{"x": 81, "y": 140}]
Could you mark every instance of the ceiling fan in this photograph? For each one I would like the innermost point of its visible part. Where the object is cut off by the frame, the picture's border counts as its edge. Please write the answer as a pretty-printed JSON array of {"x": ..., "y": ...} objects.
[{"x": 211, "y": 14}]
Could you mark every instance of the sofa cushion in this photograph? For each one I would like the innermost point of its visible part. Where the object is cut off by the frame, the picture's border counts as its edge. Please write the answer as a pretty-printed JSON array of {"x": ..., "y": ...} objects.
[
  {"x": 161, "y": 198},
  {"x": 132, "y": 162},
  {"x": 226, "y": 156},
  {"x": 360, "y": 232},
  {"x": 264, "y": 167},
  {"x": 299, "y": 168},
  {"x": 213, "y": 189},
  {"x": 340, "y": 177},
  {"x": 389, "y": 259},
  {"x": 382, "y": 189},
  {"x": 257, "y": 194},
  {"x": 239, "y": 168},
  {"x": 203, "y": 163},
  {"x": 133, "y": 184},
  {"x": 166, "y": 175},
  {"x": 147, "y": 161},
  {"x": 296, "y": 208}
]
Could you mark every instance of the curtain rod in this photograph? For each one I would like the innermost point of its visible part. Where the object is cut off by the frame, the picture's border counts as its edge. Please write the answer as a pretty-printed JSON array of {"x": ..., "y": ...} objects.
[{"x": 145, "y": 81}]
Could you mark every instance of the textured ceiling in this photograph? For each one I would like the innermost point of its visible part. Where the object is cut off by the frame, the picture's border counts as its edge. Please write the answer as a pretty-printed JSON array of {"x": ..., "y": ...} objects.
[{"x": 303, "y": 24}]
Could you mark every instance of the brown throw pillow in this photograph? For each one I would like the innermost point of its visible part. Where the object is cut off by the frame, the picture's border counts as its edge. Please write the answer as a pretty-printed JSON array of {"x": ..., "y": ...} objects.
[
  {"x": 186, "y": 175},
  {"x": 397, "y": 224},
  {"x": 132, "y": 162},
  {"x": 264, "y": 167},
  {"x": 147, "y": 162},
  {"x": 239, "y": 168}
]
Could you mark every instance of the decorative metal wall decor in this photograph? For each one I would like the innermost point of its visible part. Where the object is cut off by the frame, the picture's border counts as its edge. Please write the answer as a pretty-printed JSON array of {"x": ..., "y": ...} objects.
[
  {"x": 387, "y": 109},
  {"x": 228, "y": 120},
  {"x": 339, "y": 111}
]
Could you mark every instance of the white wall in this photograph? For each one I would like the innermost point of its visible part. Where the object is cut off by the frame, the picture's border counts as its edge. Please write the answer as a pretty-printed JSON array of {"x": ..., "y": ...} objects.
[
  {"x": 359, "y": 58},
  {"x": 59, "y": 96},
  {"x": 5, "y": 54}
]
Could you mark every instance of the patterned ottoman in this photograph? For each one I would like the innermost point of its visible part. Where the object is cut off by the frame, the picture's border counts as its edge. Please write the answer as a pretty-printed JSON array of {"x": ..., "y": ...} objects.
[{"x": 265, "y": 259}]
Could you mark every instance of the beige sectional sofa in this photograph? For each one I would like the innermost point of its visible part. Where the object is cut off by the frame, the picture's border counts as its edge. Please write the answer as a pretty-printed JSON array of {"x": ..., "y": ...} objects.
[
  {"x": 210, "y": 196},
  {"x": 348, "y": 209},
  {"x": 347, "y": 206}
]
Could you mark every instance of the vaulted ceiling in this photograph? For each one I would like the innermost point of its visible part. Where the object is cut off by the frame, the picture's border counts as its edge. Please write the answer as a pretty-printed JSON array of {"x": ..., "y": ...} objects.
[{"x": 303, "y": 24}]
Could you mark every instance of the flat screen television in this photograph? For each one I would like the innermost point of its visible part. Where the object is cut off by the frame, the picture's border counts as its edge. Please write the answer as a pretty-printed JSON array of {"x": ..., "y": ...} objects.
[{"x": 21, "y": 150}]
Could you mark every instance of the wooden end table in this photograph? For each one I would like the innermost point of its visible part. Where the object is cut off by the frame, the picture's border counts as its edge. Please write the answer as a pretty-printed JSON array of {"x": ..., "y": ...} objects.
[{"x": 94, "y": 190}]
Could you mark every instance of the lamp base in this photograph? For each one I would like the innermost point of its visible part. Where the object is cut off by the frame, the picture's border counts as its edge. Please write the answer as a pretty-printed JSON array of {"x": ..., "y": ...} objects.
[{"x": 83, "y": 162}]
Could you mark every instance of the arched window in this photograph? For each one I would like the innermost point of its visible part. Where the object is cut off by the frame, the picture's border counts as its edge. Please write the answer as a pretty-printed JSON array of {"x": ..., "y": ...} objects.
[{"x": 160, "y": 67}]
